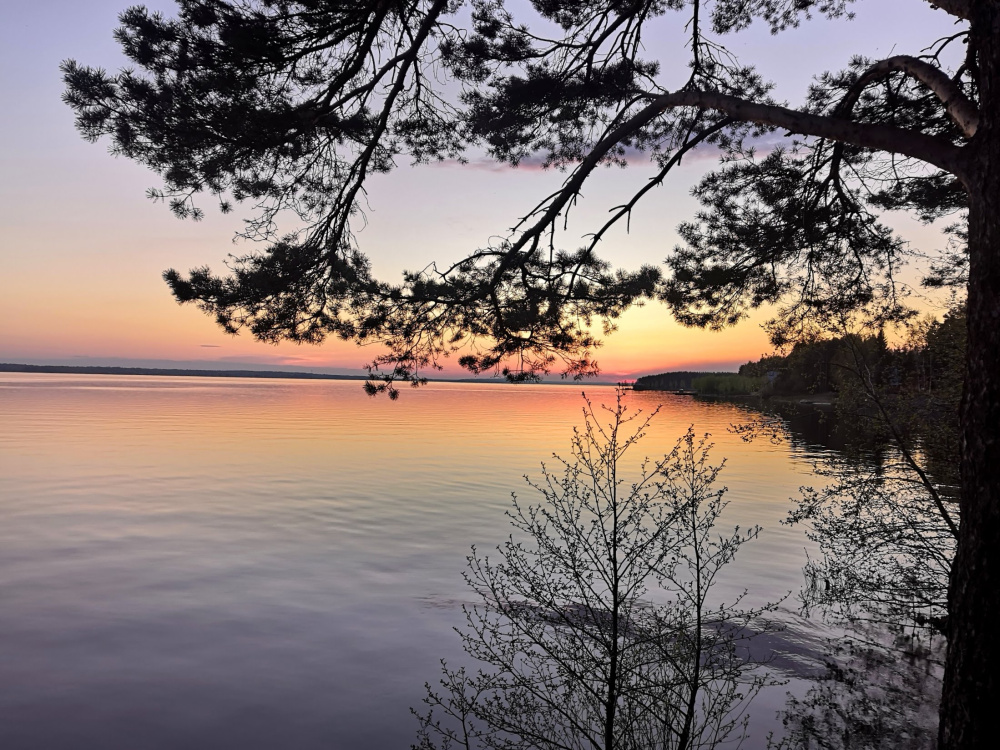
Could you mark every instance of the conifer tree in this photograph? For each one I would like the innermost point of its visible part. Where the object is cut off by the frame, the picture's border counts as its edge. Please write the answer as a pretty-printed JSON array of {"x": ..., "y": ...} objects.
[{"x": 291, "y": 105}]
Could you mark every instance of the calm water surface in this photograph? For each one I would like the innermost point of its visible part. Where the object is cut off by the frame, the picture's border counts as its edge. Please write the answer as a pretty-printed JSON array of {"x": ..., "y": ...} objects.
[{"x": 214, "y": 563}]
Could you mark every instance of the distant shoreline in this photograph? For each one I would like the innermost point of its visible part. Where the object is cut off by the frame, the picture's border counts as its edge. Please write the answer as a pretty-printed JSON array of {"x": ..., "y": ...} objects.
[
  {"x": 261, "y": 374},
  {"x": 170, "y": 371}
]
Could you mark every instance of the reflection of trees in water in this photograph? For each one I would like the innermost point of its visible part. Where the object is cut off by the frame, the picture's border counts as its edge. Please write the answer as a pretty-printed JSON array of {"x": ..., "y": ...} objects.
[
  {"x": 875, "y": 694},
  {"x": 882, "y": 572},
  {"x": 574, "y": 653},
  {"x": 804, "y": 426},
  {"x": 572, "y": 650},
  {"x": 885, "y": 552},
  {"x": 884, "y": 519}
]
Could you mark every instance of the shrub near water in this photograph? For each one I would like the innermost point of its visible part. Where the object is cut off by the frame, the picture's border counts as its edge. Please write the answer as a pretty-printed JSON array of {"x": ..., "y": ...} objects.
[
  {"x": 727, "y": 385},
  {"x": 594, "y": 627}
]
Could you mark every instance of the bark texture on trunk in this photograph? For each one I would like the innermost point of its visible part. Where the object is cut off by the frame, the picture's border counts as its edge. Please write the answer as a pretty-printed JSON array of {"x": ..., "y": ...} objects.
[{"x": 971, "y": 698}]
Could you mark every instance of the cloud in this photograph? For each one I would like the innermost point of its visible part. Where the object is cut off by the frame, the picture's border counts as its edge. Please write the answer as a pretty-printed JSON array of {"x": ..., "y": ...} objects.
[
  {"x": 533, "y": 163},
  {"x": 273, "y": 359},
  {"x": 210, "y": 346},
  {"x": 763, "y": 145}
]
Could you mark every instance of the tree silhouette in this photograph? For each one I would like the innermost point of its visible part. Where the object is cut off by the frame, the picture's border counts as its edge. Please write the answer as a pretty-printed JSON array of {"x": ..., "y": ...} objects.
[
  {"x": 594, "y": 627},
  {"x": 293, "y": 104}
]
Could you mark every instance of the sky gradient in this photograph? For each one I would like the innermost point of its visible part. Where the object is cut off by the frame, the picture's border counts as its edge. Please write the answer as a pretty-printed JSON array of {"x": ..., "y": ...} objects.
[{"x": 82, "y": 249}]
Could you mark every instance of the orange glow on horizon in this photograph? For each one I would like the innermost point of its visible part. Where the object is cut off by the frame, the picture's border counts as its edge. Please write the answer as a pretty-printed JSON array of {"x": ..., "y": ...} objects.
[{"x": 647, "y": 340}]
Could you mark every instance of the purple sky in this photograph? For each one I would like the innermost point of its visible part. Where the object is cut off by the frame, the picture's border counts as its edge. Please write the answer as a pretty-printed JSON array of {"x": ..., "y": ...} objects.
[{"x": 82, "y": 249}]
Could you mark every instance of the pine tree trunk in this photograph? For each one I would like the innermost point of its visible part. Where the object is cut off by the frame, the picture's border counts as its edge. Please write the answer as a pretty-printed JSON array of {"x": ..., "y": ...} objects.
[{"x": 971, "y": 698}]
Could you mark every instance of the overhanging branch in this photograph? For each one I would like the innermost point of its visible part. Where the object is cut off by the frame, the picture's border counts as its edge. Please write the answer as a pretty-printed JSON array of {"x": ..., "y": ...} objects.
[
  {"x": 931, "y": 149},
  {"x": 626, "y": 208},
  {"x": 575, "y": 182},
  {"x": 959, "y": 107}
]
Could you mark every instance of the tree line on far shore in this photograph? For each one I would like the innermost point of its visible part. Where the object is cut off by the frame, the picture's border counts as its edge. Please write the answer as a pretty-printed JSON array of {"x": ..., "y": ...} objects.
[{"x": 928, "y": 362}]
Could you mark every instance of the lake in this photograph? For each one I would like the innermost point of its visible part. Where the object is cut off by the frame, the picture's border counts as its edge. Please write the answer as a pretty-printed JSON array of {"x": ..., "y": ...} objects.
[{"x": 210, "y": 563}]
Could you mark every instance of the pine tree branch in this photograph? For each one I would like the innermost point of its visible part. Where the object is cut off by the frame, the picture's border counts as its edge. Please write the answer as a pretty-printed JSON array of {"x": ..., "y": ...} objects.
[
  {"x": 959, "y": 107},
  {"x": 931, "y": 149},
  {"x": 958, "y": 8}
]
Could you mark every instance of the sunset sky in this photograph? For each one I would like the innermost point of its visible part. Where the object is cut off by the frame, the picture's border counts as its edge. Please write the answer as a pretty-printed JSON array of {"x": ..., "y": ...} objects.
[{"x": 82, "y": 249}]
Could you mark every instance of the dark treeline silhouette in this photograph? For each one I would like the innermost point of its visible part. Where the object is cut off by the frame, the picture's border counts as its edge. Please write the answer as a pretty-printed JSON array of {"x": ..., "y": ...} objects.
[
  {"x": 682, "y": 380},
  {"x": 929, "y": 363}
]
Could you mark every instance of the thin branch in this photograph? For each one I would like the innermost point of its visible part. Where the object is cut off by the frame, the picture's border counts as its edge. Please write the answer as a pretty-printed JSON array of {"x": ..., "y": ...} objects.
[{"x": 657, "y": 179}]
